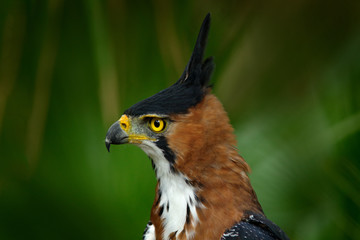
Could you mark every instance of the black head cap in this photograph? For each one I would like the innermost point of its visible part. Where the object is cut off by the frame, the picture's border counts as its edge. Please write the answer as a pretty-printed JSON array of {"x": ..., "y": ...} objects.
[{"x": 189, "y": 90}]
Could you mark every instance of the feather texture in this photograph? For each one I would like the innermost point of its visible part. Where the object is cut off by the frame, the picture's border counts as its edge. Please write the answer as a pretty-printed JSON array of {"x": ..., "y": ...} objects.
[{"x": 254, "y": 227}]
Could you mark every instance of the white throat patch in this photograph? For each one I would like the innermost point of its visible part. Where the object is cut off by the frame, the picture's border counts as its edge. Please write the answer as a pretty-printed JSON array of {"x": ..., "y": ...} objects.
[{"x": 177, "y": 196}]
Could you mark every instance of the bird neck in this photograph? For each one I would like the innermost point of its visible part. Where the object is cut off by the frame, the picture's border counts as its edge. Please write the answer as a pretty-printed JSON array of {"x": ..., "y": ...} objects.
[{"x": 207, "y": 185}]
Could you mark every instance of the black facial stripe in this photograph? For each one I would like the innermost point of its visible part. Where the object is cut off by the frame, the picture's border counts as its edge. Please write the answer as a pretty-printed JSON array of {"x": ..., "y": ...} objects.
[{"x": 168, "y": 153}]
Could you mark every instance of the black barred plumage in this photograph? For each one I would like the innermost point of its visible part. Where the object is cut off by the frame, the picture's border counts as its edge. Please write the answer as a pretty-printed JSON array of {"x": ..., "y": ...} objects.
[
  {"x": 203, "y": 190},
  {"x": 254, "y": 227}
]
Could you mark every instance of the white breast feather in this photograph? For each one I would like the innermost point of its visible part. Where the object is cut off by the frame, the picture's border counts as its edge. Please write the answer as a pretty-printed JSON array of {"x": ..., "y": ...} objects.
[
  {"x": 150, "y": 233},
  {"x": 174, "y": 190}
]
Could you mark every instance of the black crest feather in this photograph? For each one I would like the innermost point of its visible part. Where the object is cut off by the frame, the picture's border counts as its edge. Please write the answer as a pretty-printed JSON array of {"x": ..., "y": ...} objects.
[
  {"x": 189, "y": 90},
  {"x": 195, "y": 65}
]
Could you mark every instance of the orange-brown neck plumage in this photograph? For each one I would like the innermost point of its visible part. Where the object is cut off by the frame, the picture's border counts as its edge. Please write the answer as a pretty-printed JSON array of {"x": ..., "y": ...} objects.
[{"x": 203, "y": 142}]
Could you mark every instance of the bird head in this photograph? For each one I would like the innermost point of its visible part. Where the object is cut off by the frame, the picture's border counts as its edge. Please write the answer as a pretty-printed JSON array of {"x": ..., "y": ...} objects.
[
  {"x": 181, "y": 123},
  {"x": 150, "y": 120}
]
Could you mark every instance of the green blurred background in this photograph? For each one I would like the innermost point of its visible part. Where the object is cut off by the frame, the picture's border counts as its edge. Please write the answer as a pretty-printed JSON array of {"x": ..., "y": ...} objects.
[{"x": 288, "y": 73}]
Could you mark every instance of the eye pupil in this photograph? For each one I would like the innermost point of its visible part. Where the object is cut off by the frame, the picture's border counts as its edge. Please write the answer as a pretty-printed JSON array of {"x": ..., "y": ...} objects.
[{"x": 157, "y": 123}]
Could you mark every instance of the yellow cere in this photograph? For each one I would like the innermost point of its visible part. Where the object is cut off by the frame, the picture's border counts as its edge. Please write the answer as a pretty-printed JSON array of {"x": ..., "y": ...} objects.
[
  {"x": 124, "y": 123},
  {"x": 133, "y": 138}
]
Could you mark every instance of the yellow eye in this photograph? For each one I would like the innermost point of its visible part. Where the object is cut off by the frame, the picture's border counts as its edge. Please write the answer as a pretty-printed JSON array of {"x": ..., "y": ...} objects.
[{"x": 157, "y": 124}]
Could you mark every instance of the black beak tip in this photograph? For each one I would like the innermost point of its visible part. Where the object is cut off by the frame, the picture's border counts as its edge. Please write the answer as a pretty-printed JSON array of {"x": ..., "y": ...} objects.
[
  {"x": 107, "y": 144},
  {"x": 115, "y": 135}
]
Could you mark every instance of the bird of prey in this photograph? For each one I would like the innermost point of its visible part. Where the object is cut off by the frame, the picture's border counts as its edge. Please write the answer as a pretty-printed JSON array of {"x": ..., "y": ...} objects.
[{"x": 203, "y": 190}]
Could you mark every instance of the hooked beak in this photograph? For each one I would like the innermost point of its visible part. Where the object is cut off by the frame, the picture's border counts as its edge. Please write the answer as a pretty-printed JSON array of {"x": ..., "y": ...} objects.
[{"x": 115, "y": 135}]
